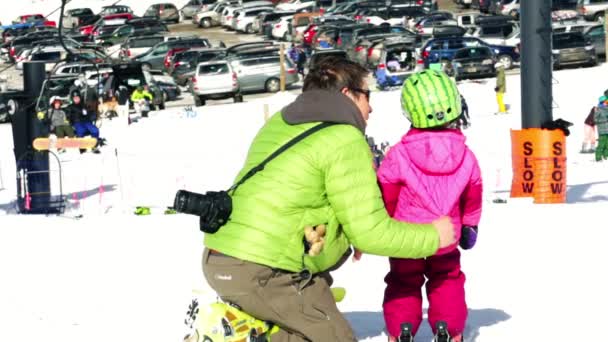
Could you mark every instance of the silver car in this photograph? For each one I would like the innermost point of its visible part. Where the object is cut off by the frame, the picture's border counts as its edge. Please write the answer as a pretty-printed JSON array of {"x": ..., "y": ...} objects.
[
  {"x": 257, "y": 72},
  {"x": 592, "y": 10},
  {"x": 194, "y": 6},
  {"x": 215, "y": 80}
]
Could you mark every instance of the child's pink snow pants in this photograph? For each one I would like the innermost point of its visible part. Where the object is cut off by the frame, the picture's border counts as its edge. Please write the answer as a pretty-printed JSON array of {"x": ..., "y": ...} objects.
[{"x": 444, "y": 288}]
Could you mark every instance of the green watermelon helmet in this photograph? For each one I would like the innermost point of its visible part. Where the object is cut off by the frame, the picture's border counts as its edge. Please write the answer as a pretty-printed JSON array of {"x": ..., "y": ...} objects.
[{"x": 430, "y": 99}]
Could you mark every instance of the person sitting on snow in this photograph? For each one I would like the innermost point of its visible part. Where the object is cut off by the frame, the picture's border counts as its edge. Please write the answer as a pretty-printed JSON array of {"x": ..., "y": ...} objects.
[
  {"x": 141, "y": 99},
  {"x": 383, "y": 80}
]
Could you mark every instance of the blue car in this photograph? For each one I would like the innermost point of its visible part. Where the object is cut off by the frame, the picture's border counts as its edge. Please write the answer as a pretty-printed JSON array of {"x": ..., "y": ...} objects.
[{"x": 442, "y": 50}]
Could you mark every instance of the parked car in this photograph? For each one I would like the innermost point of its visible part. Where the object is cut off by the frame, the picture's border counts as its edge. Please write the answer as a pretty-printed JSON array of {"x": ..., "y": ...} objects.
[
  {"x": 135, "y": 46},
  {"x": 51, "y": 55},
  {"x": 571, "y": 48},
  {"x": 425, "y": 25},
  {"x": 264, "y": 22},
  {"x": 592, "y": 10},
  {"x": 77, "y": 16},
  {"x": 298, "y": 25},
  {"x": 318, "y": 55},
  {"x": 474, "y": 62},
  {"x": 111, "y": 19},
  {"x": 77, "y": 68},
  {"x": 154, "y": 58},
  {"x": 194, "y": 6},
  {"x": 215, "y": 80},
  {"x": 133, "y": 75},
  {"x": 509, "y": 7},
  {"x": 186, "y": 67},
  {"x": 295, "y": 5},
  {"x": 165, "y": 12},
  {"x": 115, "y": 9},
  {"x": 397, "y": 56},
  {"x": 167, "y": 84},
  {"x": 211, "y": 15},
  {"x": 261, "y": 72},
  {"x": 442, "y": 50},
  {"x": 597, "y": 35},
  {"x": 243, "y": 20},
  {"x": 494, "y": 33},
  {"x": 132, "y": 28},
  {"x": 228, "y": 12},
  {"x": 401, "y": 48}
]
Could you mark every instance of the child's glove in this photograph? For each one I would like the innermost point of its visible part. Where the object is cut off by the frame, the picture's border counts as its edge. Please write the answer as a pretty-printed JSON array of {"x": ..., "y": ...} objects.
[
  {"x": 468, "y": 237},
  {"x": 314, "y": 239}
]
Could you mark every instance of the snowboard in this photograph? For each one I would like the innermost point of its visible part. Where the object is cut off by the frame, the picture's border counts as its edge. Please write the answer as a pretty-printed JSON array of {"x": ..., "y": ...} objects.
[{"x": 43, "y": 144}]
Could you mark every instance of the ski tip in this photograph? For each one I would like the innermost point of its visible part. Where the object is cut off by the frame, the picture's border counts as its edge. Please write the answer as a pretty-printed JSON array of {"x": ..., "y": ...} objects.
[{"x": 339, "y": 293}]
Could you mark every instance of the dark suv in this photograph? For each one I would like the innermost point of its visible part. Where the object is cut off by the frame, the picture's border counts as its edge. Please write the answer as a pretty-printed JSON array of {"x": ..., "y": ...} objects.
[
  {"x": 442, "y": 50},
  {"x": 133, "y": 75}
]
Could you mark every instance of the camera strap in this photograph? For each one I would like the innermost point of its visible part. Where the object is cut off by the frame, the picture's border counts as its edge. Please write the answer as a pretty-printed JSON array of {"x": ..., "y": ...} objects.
[{"x": 276, "y": 153}]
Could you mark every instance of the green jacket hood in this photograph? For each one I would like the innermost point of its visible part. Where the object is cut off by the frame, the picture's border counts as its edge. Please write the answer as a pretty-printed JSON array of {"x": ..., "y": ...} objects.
[{"x": 323, "y": 106}]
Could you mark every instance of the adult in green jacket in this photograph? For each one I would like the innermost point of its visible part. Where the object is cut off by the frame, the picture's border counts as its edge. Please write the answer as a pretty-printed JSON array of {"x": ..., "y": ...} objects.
[{"x": 258, "y": 259}]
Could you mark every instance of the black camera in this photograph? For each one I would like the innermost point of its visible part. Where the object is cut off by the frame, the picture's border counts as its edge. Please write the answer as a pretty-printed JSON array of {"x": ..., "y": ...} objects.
[{"x": 213, "y": 208}]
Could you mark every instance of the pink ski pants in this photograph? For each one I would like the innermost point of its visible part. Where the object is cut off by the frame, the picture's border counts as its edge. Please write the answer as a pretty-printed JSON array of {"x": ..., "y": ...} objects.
[{"x": 444, "y": 288}]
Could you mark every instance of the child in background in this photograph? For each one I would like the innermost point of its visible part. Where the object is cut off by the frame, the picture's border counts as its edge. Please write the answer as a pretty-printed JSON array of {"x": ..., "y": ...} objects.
[
  {"x": 430, "y": 173},
  {"x": 601, "y": 122}
]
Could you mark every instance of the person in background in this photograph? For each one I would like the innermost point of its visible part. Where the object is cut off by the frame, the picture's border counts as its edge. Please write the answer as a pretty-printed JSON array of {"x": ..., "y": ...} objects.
[
  {"x": 83, "y": 119},
  {"x": 301, "y": 60},
  {"x": 122, "y": 96},
  {"x": 501, "y": 88},
  {"x": 141, "y": 99},
  {"x": 590, "y": 134},
  {"x": 58, "y": 119},
  {"x": 601, "y": 122}
]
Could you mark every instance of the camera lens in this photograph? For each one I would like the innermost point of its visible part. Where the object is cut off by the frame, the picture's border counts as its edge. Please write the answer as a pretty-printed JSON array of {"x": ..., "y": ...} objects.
[{"x": 187, "y": 202}]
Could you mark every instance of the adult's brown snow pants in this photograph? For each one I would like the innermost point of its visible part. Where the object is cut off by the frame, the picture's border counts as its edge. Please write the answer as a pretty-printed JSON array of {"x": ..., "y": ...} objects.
[{"x": 303, "y": 307}]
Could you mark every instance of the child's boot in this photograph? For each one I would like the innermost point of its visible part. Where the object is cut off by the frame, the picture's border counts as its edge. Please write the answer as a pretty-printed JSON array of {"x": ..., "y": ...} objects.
[
  {"x": 442, "y": 334},
  {"x": 406, "y": 333}
]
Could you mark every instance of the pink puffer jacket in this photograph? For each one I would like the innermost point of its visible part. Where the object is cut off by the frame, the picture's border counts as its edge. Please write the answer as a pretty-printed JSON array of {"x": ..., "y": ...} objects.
[{"x": 429, "y": 174}]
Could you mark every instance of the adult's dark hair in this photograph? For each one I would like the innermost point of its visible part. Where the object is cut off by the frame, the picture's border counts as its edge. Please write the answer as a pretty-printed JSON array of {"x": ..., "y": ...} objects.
[{"x": 335, "y": 73}]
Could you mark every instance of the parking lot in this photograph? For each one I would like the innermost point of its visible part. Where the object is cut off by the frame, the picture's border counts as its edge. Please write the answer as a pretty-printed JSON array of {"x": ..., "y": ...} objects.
[{"x": 219, "y": 36}]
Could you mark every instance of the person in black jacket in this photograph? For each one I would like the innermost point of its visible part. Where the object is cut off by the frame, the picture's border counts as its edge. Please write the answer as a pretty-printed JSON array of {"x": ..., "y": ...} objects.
[
  {"x": 82, "y": 118},
  {"x": 122, "y": 96}
]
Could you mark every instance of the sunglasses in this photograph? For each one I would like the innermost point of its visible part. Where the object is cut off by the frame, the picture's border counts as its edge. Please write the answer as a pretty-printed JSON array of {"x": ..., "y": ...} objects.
[{"x": 365, "y": 92}]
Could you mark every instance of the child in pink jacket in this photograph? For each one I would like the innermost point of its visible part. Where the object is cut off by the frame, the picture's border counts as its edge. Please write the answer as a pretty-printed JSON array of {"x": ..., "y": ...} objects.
[{"x": 429, "y": 173}]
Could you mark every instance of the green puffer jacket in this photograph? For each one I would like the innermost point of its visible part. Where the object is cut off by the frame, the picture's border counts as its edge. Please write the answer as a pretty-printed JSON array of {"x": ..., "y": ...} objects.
[{"x": 327, "y": 178}]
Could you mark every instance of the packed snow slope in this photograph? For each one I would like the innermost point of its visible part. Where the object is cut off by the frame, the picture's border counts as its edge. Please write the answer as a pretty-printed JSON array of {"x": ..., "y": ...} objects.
[{"x": 536, "y": 274}]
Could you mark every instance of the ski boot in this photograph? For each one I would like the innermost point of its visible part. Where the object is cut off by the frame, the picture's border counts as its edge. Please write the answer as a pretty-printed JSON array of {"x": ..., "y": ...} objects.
[
  {"x": 141, "y": 211},
  {"x": 406, "y": 333},
  {"x": 442, "y": 334},
  {"x": 221, "y": 322}
]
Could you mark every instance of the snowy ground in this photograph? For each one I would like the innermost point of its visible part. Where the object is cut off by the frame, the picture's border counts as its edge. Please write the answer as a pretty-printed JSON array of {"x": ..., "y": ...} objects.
[{"x": 535, "y": 275}]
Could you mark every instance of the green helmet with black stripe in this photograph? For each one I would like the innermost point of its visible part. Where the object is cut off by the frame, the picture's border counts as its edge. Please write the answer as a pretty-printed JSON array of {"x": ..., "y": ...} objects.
[{"x": 430, "y": 99}]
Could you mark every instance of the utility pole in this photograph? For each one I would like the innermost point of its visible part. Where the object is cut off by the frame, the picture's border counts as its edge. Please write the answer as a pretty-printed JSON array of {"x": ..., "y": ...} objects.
[
  {"x": 606, "y": 33},
  {"x": 536, "y": 63},
  {"x": 282, "y": 62}
]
